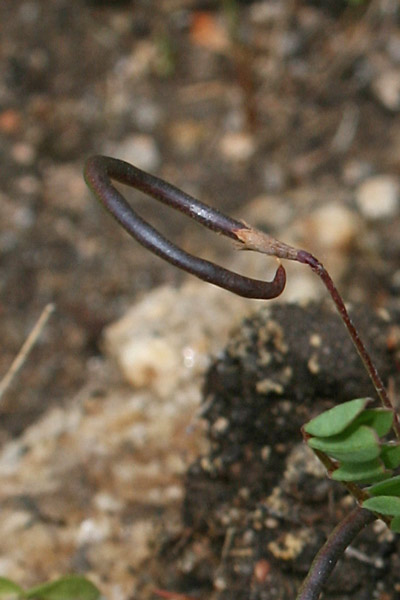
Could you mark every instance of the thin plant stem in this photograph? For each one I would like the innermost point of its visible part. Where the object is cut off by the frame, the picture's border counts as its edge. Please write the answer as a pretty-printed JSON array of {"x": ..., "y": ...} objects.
[
  {"x": 26, "y": 348},
  {"x": 319, "y": 269},
  {"x": 333, "y": 549},
  {"x": 254, "y": 239}
]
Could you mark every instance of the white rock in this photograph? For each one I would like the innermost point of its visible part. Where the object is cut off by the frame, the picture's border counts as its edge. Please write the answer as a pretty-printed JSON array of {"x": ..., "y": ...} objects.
[
  {"x": 147, "y": 115},
  {"x": 166, "y": 339},
  {"x": 144, "y": 361},
  {"x": 387, "y": 89},
  {"x": 23, "y": 153},
  {"x": 138, "y": 149},
  {"x": 93, "y": 531},
  {"x": 237, "y": 146},
  {"x": 378, "y": 197},
  {"x": 333, "y": 225}
]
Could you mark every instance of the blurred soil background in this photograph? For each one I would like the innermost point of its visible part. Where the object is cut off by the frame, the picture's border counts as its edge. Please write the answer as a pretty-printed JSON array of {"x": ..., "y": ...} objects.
[{"x": 283, "y": 113}]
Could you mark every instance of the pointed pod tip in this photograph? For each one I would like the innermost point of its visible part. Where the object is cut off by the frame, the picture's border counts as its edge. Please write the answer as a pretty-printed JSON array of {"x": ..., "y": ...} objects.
[{"x": 277, "y": 285}]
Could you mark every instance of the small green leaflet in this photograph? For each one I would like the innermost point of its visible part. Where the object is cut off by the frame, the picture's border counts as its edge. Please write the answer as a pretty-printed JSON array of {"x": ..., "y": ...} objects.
[
  {"x": 9, "y": 589},
  {"x": 73, "y": 587},
  {"x": 386, "y": 488},
  {"x": 390, "y": 454},
  {"x": 384, "y": 505},
  {"x": 395, "y": 524},
  {"x": 356, "y": 446},
  {"x": 365, "y": 472},
  {"x": 335, "y": 420},
  {"x": 380, "y": 419}
]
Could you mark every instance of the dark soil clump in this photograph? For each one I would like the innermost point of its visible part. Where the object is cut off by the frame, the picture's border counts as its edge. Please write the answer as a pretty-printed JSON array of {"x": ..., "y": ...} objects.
[{"x": 258, "y": 506}]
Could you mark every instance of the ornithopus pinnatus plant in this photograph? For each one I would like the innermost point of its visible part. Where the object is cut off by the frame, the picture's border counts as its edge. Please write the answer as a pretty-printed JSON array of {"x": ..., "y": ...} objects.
[{"x": 359, "y": 444}]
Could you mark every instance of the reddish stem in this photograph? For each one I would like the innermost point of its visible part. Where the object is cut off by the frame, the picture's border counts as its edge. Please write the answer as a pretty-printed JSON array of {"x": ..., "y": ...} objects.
[{"x": 319, "y": 269}]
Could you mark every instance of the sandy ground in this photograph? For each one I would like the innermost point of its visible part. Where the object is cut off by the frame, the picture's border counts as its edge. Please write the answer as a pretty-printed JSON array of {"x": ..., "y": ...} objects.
[{"x": 285, "y": 114}]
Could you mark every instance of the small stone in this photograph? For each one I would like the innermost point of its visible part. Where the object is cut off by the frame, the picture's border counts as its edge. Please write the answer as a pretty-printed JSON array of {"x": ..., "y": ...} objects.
[
  {"x": 378, "y": 197},
  {"x": 237, "y": 147},
  {"x": 220, "y": 584},
  {"x": 140, "y": 150},
  {"x": 221, "y": 425},
  {"x": 356, "y": 171},
  {"x": 334, "y": 226},
  {"x": 164, "y": 342},
  {"x": 147, "y": 116},
  {"x": 24, "y": 154},
  {"x": 387, "y": 89},
  {"x": 93, "y": 531},
  {"x": 187, "y": 136},
  {"x": 147, "y": 361},
  {"x": 265, "y": 453},
  {"x": 274, "y": 177}
]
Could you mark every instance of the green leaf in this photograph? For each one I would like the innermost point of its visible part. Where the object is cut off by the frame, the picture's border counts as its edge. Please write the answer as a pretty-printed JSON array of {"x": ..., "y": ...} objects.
[
  {"x": 395, "y": 524},
  {"x": 356, "y": 446},
  {"x": 390, "y": 454},
  {"x": 72, "y": 587},
  {"x": 334, "y": 421},
  {"x": 384, "y": 505},
  {"x": 391, "y": 487},
  {"x": 9, "y": 589},
  {"x": 380, "y": 419},
  {"x": 365, "y": 472}
]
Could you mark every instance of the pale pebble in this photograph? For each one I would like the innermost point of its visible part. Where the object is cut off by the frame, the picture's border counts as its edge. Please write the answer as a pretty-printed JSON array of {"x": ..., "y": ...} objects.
[
  {"x": 237, "y": 146},
  {"x": 93, "y": 531},
  {"x": 378, "y": 197},
  {"x": 140, "y": 150},
  {"x": 333, "y": 226},
  {"x": 150, "y": 343},
  {"x": 386, "y": 88}
]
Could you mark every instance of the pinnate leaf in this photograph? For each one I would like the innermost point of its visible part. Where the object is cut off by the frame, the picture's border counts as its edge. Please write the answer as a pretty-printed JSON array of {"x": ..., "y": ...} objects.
[
  {"x": 360, "y": 445},
  {"x": 384, "y": 505},
  {"x": 335, "y": 420}
]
